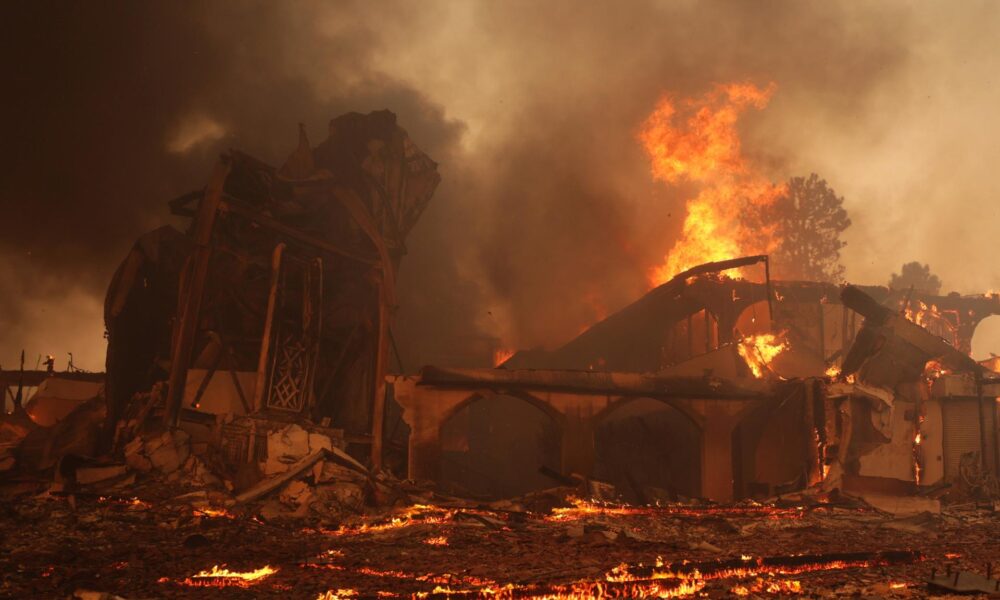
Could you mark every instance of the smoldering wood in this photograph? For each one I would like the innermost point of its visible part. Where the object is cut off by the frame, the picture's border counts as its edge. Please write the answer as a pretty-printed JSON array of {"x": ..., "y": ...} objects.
[{"x": 273, "y": 483}]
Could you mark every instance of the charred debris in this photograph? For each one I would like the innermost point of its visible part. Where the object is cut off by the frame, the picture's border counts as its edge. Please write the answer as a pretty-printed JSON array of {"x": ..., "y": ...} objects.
[{"x": 254, "y": 432}]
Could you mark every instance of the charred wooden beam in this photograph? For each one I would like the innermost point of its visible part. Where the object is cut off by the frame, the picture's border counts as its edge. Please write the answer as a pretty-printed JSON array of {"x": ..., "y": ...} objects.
[
  {"x": 624, "y": 384},
  {"x": 881, "y": 321},
  {"x": 235, "y": 206},
  {"x": 189, "y": 310},
  {"x": 265, "y": 341}
]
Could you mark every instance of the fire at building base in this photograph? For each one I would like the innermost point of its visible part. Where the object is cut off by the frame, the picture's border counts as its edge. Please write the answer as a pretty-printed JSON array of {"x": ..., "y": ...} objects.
[{"x": 719, "y": 437}]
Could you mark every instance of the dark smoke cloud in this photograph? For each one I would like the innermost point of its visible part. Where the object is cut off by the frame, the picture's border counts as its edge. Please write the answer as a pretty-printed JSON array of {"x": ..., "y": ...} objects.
[
  {"x": 113, "y": 110},
  {"x": 546, "y": 217}
]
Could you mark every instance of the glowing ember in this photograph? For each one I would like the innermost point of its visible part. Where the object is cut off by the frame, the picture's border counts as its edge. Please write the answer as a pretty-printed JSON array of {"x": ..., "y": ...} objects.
[
  {"x": 133, "y": 502},
  {"x": 222, "y": 577},
  {"x": 213, "y": 512},
  {"x": 437, "y": 541},
  {"x": 675, "y": 580},
  {"x": 833, "y": 372},
  {"x": 446, "y": 579},
  {"x": 416, "y": 514},
  {"x": 696, "y": 140},
  {"x": 934, "y": 370},
  {"x": 768, "y": 586},
  {"x": 740, "y": 568},
  {"x": 337, "y": 595},
  {"x": 584, "y": 508},
  {"x": 501, "y": 356},
  {"x": 940, "y": 323},
  {"x": 759, "y": 350}
]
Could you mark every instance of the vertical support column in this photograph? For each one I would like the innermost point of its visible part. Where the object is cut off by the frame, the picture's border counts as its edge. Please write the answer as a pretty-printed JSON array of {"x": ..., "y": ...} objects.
[
  {"x": 425, "y": 453},
  {"x": 709, "y": 346},
  {"x": 378, "y": 407},
  {"x": 189, "y": 307},
  {"x": 822, "y": 332},
  {"x": 259, "y": 392},
  {"x": 578, "y": 441},
  {"x": 809, "y": 417},
  {"x": 423, "y": 411},
  {"x": 717, "y": 458},
  {"x": 843, "y": 333}
]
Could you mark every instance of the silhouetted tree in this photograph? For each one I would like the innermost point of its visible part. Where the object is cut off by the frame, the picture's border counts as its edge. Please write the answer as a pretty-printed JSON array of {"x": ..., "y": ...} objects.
[
  {"x": 807, "y": 221},
  {"x": 917, "y": 276}
]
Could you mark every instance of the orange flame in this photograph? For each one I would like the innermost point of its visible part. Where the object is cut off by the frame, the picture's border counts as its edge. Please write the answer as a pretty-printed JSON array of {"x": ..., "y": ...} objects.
[
  {"x": 413, "y": 515},
  {"x": 437, "y": 541},
  {"x": 762, "y": 586},
  {"x": 222, "y": 577},
  {"x": 501, "y": 355},
  {"x": 696, "y": 140},
  {"x": 209, "y": 511},
  {"x": 585, "y": 508},
  {"x": 679, "y": 579},
  {"x": 759, "y": 350},
  {"x": 338, "y": 594}
]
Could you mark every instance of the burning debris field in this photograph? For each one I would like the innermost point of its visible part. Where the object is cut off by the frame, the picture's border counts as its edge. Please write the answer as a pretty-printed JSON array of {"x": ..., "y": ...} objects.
[
  {"x": 288, "y": 411},
  {"x": 182, "y": 547}
]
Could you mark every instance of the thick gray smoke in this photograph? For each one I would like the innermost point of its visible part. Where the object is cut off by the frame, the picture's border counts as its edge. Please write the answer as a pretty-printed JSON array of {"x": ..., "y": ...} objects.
[{"x": 546, "y": 217}]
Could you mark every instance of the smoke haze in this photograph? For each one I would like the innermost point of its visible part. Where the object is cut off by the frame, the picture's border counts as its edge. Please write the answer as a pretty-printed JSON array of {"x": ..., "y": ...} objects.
[{"x": 547, "y": 217}]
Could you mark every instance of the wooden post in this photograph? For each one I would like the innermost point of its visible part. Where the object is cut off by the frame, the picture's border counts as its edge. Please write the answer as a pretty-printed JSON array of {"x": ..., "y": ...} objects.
[
  {"x": 708, "y": 332},
  {"x": 265, "y": 341},
  {"x": 189, "y": 307},
  {"x": 822, "y": 332},
  {"x": 843, "y": 332},
  {"x": 19, "y": 398},
  {"x": 814, "y": 469},
  {"x": 314, "y": 329},
  {"x": 770, "y": 292},
  {"x": 690, "y": 332},
  {"x": 378, "y": 406}
]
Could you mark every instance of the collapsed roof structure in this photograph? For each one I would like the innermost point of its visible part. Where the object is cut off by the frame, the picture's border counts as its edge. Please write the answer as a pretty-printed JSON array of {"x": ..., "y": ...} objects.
[{"x": 764, "y": 422}]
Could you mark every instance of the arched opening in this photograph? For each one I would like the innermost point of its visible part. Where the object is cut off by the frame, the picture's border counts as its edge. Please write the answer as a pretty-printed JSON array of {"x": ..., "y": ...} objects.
[
  {"x": 649, "y": 450},
  {"x": 493, "y": 446},
  {"x": 754, "y": 320},
  {"x": 769, "y": 447},
  {"x": 986, "y": 338}
]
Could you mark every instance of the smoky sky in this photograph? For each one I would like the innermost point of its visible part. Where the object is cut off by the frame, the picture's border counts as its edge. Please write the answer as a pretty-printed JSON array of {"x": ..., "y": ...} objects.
[{"x": 546, "y": 217}]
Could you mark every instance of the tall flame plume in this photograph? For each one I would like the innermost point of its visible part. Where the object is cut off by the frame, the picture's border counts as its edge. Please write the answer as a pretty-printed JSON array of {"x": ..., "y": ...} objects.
[{"x": 695, "y": 140}]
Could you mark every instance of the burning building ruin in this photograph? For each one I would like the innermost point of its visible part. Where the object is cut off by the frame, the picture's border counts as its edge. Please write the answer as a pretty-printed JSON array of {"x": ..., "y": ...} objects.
[
  {"x": 255, "y": 406},
  {"x": 779, "y": 384}
]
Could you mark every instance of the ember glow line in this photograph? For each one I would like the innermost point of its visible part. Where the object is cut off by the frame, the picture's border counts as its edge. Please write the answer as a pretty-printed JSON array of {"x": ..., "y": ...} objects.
[
  {"x": 585, "y": 508},
  {"x": 222, "y": 577},
  {"x": 415, "y": 515}
]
